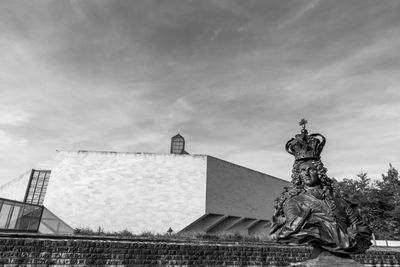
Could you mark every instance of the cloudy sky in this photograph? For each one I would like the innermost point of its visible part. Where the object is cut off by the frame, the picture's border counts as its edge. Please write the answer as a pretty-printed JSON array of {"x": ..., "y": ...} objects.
[{"x": 234, "y": 77}]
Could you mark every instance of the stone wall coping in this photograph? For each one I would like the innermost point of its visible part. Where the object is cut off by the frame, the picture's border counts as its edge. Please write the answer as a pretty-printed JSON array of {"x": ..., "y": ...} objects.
[{"x": 169, "y": 240}]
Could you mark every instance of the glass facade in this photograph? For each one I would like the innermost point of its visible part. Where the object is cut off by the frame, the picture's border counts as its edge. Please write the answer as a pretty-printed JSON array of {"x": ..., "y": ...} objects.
[
  {"x": 19, "y": 216},
  {"x": 37, "y": 187}
]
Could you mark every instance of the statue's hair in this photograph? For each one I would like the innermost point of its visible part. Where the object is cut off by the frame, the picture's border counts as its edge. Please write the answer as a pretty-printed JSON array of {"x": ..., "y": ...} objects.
[{"x": 297, "y": 186}]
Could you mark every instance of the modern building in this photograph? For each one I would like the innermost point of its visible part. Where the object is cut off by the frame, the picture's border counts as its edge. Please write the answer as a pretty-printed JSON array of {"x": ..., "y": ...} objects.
[{"x": 148, "y": 192}]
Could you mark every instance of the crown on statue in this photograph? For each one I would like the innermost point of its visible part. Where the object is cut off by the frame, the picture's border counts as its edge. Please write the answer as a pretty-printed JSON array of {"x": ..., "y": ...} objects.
[{"x": 306, "y": 146}]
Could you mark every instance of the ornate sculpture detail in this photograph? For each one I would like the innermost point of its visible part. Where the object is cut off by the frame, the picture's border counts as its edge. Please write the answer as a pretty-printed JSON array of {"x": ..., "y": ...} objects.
[
  {"x": 305, "y": 146},
  {"x": 310, "y": 210}
]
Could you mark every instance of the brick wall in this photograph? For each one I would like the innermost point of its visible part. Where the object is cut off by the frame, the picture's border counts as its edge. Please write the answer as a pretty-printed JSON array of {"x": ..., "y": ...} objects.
[{"x": 36, "y": 250}]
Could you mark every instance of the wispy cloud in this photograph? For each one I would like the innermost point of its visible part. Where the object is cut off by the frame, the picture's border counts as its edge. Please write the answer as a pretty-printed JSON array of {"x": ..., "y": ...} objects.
[
  {"x": 13, "y": 117},
  {"x": 299, "y": 13},
  {"x": 234, "y": 76}
]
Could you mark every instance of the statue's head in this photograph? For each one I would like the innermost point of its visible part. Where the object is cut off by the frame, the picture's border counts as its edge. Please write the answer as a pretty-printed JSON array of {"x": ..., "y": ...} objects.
[
  {"x": 310, "y": 173},
  {"x": 308, "y": 169}
]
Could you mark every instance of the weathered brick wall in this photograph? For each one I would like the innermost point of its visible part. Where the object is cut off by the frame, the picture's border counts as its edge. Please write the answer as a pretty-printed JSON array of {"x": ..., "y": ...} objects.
[{"x": 33, "y": 250}]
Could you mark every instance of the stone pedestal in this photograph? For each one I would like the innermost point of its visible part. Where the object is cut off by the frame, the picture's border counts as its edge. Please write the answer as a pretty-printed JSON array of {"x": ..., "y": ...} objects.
[
  {"x": 321, "y": 257},
  {"x": 326, "y": 258}
]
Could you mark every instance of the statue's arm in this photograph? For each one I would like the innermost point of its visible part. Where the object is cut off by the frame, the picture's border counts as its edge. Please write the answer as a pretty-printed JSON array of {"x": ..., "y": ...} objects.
[
  {"x": 356, "y": 223},
  {"x": 358, "y": 230},
  {"x": 295, "y": 214}
]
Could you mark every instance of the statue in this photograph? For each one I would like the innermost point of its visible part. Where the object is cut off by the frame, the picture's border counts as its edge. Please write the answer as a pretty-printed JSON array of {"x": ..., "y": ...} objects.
[{"x": 311, "y": 211}]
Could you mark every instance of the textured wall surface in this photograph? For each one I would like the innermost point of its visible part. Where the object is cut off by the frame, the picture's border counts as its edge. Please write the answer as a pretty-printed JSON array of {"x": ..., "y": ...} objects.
[
  {"x": 134, "y": 191},
  {"x": 239, "y": 191},
  {"x": 59, "y": 251}
]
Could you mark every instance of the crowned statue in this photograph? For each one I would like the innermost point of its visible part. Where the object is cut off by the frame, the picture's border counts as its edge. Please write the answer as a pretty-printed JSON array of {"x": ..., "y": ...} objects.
[{"x": 311, "y": 211}]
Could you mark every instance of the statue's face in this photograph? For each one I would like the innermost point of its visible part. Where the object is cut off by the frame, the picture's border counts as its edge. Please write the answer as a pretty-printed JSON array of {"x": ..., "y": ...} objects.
[{"x": 309, "y": 174}]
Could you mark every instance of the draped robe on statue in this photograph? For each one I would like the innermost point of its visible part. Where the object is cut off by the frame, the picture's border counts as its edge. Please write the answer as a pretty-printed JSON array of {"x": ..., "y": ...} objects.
[{"x": 315, "y": 216}]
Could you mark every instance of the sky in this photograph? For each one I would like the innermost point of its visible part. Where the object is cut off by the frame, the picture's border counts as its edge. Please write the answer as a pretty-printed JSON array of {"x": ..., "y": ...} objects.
[{"x": 233, "y": 77}]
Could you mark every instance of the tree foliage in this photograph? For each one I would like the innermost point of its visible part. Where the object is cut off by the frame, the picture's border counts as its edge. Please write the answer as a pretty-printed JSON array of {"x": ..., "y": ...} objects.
[{"x": 378, "y": 201}]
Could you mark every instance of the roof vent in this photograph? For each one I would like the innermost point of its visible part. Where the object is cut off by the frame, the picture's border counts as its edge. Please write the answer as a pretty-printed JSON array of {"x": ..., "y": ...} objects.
[{"x": 178, "y": 145}]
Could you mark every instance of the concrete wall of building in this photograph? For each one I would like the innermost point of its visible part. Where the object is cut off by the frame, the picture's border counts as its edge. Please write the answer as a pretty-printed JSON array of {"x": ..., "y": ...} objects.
[
  {"x": 135, "y": 191},
  {"x": 238, "y": 191}
]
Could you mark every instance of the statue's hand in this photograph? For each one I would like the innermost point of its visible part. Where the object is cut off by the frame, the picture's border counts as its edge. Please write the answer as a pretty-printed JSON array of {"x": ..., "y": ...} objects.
[
  {"x": 274, "y": 236},
  {"x": 352, "y": 231}
]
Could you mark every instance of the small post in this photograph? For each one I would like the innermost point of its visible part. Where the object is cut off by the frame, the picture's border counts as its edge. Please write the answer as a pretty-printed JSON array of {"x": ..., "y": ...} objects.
[
  {"x": 374, "y": 240},
  {"x": 169, "y": 231}
]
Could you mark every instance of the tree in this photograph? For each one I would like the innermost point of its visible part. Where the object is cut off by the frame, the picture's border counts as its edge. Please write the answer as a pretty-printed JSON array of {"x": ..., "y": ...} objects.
[
  {"x": 389, "y": 189},
  {"x": 378, "y": 202},
  {"x": 358, "y": 192}
]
